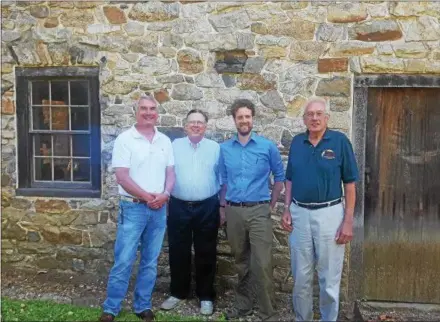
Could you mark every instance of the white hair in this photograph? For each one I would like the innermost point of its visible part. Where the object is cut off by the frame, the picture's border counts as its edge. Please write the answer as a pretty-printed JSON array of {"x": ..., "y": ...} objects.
[
  {"x": 317, "y": 99},
  {"x": 141, "y": 98}
]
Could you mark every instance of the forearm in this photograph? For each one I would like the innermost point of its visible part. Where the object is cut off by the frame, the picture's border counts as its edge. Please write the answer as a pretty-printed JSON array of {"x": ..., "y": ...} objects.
[
  {"x": 170, "y": 180},
  {"x": 222, "y": 196},
  {"x": 132, "y": 187},
  {"x": 276, "y": 191},
  {"x": 350, "y": 199},
  {"x": 288, "y": 193}
]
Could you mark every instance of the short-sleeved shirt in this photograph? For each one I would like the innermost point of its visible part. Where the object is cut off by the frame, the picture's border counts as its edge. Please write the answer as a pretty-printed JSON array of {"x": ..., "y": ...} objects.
[
  {"x": 245, "y": 169},
  {"x": 146, "y": 160},
  {"x": 317, "y": 173},
  {"x": 197, "y": 175}
]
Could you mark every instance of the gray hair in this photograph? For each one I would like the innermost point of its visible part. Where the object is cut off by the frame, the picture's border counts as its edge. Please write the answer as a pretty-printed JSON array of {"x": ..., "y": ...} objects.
[
  {"x": 317, "y": 99},
  {"x": 141, "y": 98}
]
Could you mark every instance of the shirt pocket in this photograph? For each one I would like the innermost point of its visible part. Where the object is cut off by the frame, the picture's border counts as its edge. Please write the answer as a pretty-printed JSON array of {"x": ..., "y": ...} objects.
[
  {"x": 159, "y": 156},
  {"x": 261, "y": 164},
  {"x": 329, "y": 162}
]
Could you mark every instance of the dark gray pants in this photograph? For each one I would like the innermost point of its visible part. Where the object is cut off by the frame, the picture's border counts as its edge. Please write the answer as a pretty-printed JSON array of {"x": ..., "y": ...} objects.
[{"x": 250, "y": 236}]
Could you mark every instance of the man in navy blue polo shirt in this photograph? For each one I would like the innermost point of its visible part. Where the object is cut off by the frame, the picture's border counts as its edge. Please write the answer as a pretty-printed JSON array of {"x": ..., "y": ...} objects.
[
  {"x": 320, "y": 221},
  {"x": 246, "y": 161}
]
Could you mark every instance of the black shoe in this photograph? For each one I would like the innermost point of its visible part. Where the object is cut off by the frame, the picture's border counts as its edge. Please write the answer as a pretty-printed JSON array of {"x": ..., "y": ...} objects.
[
  {"x": 235, "y": 313},
  {"x": 146, "y": 316},
  {"x": 106, "y": 317}
]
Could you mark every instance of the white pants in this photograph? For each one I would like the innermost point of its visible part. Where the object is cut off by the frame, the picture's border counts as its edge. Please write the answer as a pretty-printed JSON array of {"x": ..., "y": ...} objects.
[{"x": 313, "y": 241}]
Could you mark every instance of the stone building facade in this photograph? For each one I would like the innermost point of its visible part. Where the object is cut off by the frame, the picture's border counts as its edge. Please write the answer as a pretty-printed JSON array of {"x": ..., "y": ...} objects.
[{"x": 188, "y": 54}]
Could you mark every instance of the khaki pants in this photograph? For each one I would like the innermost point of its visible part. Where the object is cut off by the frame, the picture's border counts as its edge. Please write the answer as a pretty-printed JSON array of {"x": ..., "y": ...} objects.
[{"x": 250, "y": 236}]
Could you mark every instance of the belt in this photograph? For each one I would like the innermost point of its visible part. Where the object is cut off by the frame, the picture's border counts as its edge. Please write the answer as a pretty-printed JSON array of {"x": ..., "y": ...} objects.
[
  {"x": 246, "y": 204},
  {"x": 195, "y": 202},
  {"x": 319, "y": 205},
  {"x": 135, "y": 200}
]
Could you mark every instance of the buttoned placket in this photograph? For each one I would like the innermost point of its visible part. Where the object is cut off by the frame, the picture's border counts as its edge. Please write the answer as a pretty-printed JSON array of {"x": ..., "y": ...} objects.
[{"x": 195, "y": 148}]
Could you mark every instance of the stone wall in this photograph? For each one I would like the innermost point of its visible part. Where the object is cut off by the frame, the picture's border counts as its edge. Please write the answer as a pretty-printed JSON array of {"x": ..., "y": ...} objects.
[{"x": 192, "y": 54}]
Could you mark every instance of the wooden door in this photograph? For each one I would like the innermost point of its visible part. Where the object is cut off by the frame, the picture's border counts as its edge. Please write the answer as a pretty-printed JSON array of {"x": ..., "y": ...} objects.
[{"x": 402, "y": 195}]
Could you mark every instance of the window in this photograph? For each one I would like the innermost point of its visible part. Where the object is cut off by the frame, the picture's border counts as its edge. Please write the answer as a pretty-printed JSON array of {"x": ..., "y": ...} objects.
[{"x": 58, "y": 124}]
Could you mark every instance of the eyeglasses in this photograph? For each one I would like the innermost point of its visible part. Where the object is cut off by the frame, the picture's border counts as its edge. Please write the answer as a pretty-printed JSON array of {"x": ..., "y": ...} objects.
[
  {"x": 200, "y": 123},
  {"x": 310, "y": 115}
]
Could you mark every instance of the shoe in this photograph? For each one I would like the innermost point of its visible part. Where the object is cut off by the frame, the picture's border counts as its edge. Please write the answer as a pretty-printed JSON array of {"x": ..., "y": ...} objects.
[
  {"x": 146, "y": 316},
  {"x": 206, "y": 307},
  {"x": 235, "y": 313},
  {"x": 106, "y": 317},
  {"x": 170, "y": 303}
]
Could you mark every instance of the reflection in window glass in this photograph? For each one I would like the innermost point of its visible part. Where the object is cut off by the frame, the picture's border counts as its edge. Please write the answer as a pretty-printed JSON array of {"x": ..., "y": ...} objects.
[
  {"x": 61, "y": 145},
  {"x": 43, "y": 169},
  {"x": 80, "y": 118},
  {"x": 60, "y": 117},
  {"x": 43, "y": 144},
  {"x": 61, "y": 169},
  {"x": 40, "y": 92},
  {"x": 81, "y": 169},
  {"x": 60, "y": 92},
  {"x": 79, "y": 93},
  {"x": 41, "y": 118},
  {"x": 81, "y": 145}
]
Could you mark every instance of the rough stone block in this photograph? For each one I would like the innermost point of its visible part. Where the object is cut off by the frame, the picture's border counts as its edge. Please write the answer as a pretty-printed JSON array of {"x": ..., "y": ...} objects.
[
  {"x": 114, "y": 15},
  {"x": 382, "y": 65},
  {"x": 8, "y": 106},
  {"x": 190, "y": 61},
  {"x": 154, "y": 11},
  {"x": 51, "y": 206},
  {"x": 255, "y": 82},
  {"x": 336, "y": 86},
  {"x": 347, "y": 12},
  {"x": 272, "y": 99},
  {"x": 376, "y": 30},
  {"x": 327, "y": 65},
  {"x": 186, "y": 92},
  {"x": 307, "y": 50}
]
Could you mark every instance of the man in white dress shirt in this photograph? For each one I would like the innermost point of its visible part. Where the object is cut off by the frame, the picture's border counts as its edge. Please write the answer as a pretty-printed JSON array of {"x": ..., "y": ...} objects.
[
  {"x": 144, "y": 165},
  {"x": 194, "y": 214}
]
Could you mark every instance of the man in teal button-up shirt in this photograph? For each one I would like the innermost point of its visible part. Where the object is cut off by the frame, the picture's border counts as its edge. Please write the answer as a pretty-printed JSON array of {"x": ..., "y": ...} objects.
[{"x": 246, "y": 162}]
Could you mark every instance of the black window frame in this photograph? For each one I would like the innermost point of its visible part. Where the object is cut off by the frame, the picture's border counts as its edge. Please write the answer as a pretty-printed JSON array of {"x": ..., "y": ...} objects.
[{"x": 26, "y": 186}]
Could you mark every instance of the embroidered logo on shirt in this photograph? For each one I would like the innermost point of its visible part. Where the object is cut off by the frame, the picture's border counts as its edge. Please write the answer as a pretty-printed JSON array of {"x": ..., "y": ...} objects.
[{"x": 328, "y": 154}]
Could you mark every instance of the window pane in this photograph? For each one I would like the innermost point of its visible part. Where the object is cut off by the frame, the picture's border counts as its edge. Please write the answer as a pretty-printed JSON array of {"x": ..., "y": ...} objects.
[
  {"x": 61, "y": 169},
  {"x": 60, "y": 93},
  {"x": 60, "y": 117},
  {"x": 61, "y": 145},
  {"x": 40, "y": 92},
  {"x": 42, "y": 144},
  {"x": 43, "y": 169},
  {"x": 80, "y": 118},
  {"x": 81, "y": 145},
  {"x": 81, "y": 169},
  {"x": 40, "y": 118},
  {"x": 79, "y": 93}
]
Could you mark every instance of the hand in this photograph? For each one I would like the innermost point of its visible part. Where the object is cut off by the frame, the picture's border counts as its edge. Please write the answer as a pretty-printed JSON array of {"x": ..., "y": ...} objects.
[
  {"x": 158, "y": 201},
  {"x": 222, "y": 216},
  {"x": 344, "y": 233},
  {"x": 148, "y": 197},
  {"x": 272, "y": 207},
  {"x": 286, "y": 220}
]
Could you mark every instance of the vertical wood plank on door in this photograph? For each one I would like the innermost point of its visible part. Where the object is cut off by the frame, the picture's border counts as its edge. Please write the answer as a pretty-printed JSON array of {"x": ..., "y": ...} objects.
[{"x": 402, "y": 194}]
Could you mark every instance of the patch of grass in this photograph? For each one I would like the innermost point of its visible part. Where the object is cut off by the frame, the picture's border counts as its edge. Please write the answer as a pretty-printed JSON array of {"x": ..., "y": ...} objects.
[{"x": 36, "y": 310}]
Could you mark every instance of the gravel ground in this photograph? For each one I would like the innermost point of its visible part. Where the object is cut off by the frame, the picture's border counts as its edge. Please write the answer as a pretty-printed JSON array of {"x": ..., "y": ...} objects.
[{"x": 85, "y": 290}]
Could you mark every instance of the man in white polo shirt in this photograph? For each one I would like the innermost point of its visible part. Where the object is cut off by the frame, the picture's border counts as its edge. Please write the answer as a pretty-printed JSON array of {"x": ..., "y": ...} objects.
[{"x": 144, "y": 166}]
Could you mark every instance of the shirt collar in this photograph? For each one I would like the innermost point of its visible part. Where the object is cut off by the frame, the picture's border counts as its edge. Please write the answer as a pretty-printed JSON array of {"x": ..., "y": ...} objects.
[
  {"x": 135, "y": 133},
  {"x": 252, "y": 137},
  {"x": 192, "y": 144},
  {"x": 326, "y": 135}
]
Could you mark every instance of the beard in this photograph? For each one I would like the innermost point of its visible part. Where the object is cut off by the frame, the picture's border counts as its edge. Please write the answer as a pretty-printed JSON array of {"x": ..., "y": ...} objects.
[{"x": 244, "y": 130}]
